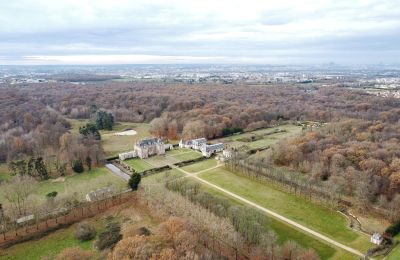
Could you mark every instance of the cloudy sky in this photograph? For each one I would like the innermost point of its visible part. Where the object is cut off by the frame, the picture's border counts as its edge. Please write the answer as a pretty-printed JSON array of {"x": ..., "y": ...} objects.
[{"x": 206, "y": 31}]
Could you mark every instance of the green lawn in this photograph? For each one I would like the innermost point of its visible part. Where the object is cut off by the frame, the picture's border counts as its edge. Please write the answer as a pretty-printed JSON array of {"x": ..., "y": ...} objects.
[
  {"x": 395, "y": 254},
  {"x": 80, "y": 184},
  {"x": 186, "y": 156},
  {"x": 195, "y": 167},
  {"x": 161, "y": 177},
  {"x": 139, "y": 165},
  {"x": 285, "y": 232},
  {"x": 319, "y": 218},
  {"x": 269, "y": 138},
  {"x": 50, "y": 245},
  {"x": 171, "y": 157},
  {"x": 112, "y": 144},
  {"x": 4, "y": 172}
]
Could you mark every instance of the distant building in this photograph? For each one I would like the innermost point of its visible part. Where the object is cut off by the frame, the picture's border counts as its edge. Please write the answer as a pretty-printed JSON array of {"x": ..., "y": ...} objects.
[
  {"x": 25, "y": 219},
  {"x": 185, "y": 144},
  {"x": 195, "y": 144},
  {"x": 146, "y": 148},
  {"x": 198, "y": 143},
  {"x": 127, "y": 155},
  {"x": 376, "y": 239},
  {"x": 99, "y": 194},
  {"x": 149, "y": 147},
  {"x": 227, "y": 153},
  {"x": 208, "y": 150}
]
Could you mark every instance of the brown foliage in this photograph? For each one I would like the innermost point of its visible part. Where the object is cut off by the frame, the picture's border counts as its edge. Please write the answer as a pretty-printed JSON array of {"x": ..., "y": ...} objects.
[{"x": 75, "y": 253}]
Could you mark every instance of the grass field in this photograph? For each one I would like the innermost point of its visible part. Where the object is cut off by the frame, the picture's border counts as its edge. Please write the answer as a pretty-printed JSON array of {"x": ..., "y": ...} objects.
[
  {"x": 161, "y": 177},
  {"x": 80, "y": 184},
  {"x": 170, "y": 157},
  {"x": 138, "y": 164},
  {"x": 316, "y": 217},
  {"x": 4, "y": 172},
  {"x": 285, "y": 232},
  {"x": 185, "y": 155},
  {"x": 395, "y": 254},
  {"x": 112, "y": 144},
  {"x": 196, "y": 167},
  {"x": 269, "y": 138},
  {"x": 50, "y": 245}
]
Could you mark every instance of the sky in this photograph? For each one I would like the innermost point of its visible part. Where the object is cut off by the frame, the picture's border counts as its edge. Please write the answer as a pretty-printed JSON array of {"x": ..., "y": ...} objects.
[{"x": 206, "y": 31}]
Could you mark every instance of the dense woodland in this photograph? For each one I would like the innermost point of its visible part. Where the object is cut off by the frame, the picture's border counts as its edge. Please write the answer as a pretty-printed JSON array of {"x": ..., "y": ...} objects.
[
  {"x": 360, "y": 143},
  {"x": 360, "y": 157}
]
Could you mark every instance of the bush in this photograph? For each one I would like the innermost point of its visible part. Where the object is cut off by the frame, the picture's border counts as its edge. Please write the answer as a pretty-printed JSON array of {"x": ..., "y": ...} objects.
[
  {"x": 134, "y": 181},
  {"x": 77, "y": 166},
  {"x": 75, "y": 253},
  {"x": 52, "y": 194},
  {"x": 85, "y": 232},
  {"x": 110, "y": 236},
  {"x": 393, "y": 229}
]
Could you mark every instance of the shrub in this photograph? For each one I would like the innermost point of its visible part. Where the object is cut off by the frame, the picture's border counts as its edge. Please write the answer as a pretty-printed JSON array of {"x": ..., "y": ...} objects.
[
  {"x": 77, "y": 166},
  {"x": 85, "y": 232},
  {"x": 110, "y": 236},
  {"x": 134, "y": 181},
  {"x": 75, "y": 253},
  {"x": 393, "y": 229},
  {"x": 52, "y": 194}
]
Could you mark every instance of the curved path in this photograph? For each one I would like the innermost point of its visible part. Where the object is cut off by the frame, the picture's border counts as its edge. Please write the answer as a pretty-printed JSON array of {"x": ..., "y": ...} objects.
[{"x": 274, "y": 214}]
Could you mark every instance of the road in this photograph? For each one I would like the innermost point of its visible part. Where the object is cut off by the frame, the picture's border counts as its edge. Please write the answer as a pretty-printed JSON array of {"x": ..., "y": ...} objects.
[
  {"x": 274, "y": 214},
  {"x": 126, "y": 177},
  {"x": 114, "y": 169}
]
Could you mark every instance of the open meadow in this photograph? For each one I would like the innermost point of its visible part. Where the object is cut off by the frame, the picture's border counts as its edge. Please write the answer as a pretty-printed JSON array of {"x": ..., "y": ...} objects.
[
  {"x": 76, "y": 185},
  {"x": 283, "y": 231},
  {"x": 261, "y": 138},
  {"x": 312, "y": 215},
  {"x": 115, "y": 144}
]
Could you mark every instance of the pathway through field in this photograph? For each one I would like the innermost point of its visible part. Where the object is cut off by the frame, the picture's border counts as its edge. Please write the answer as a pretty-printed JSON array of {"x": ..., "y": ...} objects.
[
  {"x": 270, "y": 212},
  {"x": 248, "y": 202}
]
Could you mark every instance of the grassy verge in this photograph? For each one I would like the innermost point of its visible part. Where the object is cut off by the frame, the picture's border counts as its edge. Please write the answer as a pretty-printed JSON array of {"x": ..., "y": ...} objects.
[
  {"x": 203, "y": 165},
  {"x": 316, "y": 217}
]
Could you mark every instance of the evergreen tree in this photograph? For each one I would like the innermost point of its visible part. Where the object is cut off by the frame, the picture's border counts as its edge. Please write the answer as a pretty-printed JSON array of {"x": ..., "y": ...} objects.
[
  {"x": 41, "y": 169},
  {"x": 77, "y": 166},
  {"x": 104, "y": 120},
  {"x": 90, "y": 129},
  {"x": 134, "y": 181},
  {"x": 88, "y": 161}
]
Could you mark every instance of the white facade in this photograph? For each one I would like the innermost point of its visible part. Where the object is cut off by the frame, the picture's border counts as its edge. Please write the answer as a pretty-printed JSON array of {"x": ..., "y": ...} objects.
[
  {"x": 376, "y": 239},
  {"x": 127, "y": 155},
  {"x": 208, "y": 150},
  {"x": 146, "y": 148}
]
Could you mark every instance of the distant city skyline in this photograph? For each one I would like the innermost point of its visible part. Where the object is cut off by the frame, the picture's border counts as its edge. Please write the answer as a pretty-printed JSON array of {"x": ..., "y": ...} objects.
[{"x": 201, "y": 32}]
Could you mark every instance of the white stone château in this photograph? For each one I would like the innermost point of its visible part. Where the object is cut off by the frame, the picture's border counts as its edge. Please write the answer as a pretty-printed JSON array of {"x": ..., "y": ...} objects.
[
  {"x": 149, "y": 147},
  {"x": 145, "y": 148}
]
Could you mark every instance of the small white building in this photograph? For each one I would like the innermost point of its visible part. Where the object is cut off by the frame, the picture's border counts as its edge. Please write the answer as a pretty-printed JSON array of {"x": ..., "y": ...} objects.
[
  {"x": 99, "y": 194},
  {"x": 127, "y": 155},
  {"x": 208, "y": 150},
  {"x": 25, "y": 219},
  {"x": 197, "y": 144},
  {"x": 376, "y": 239}
]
